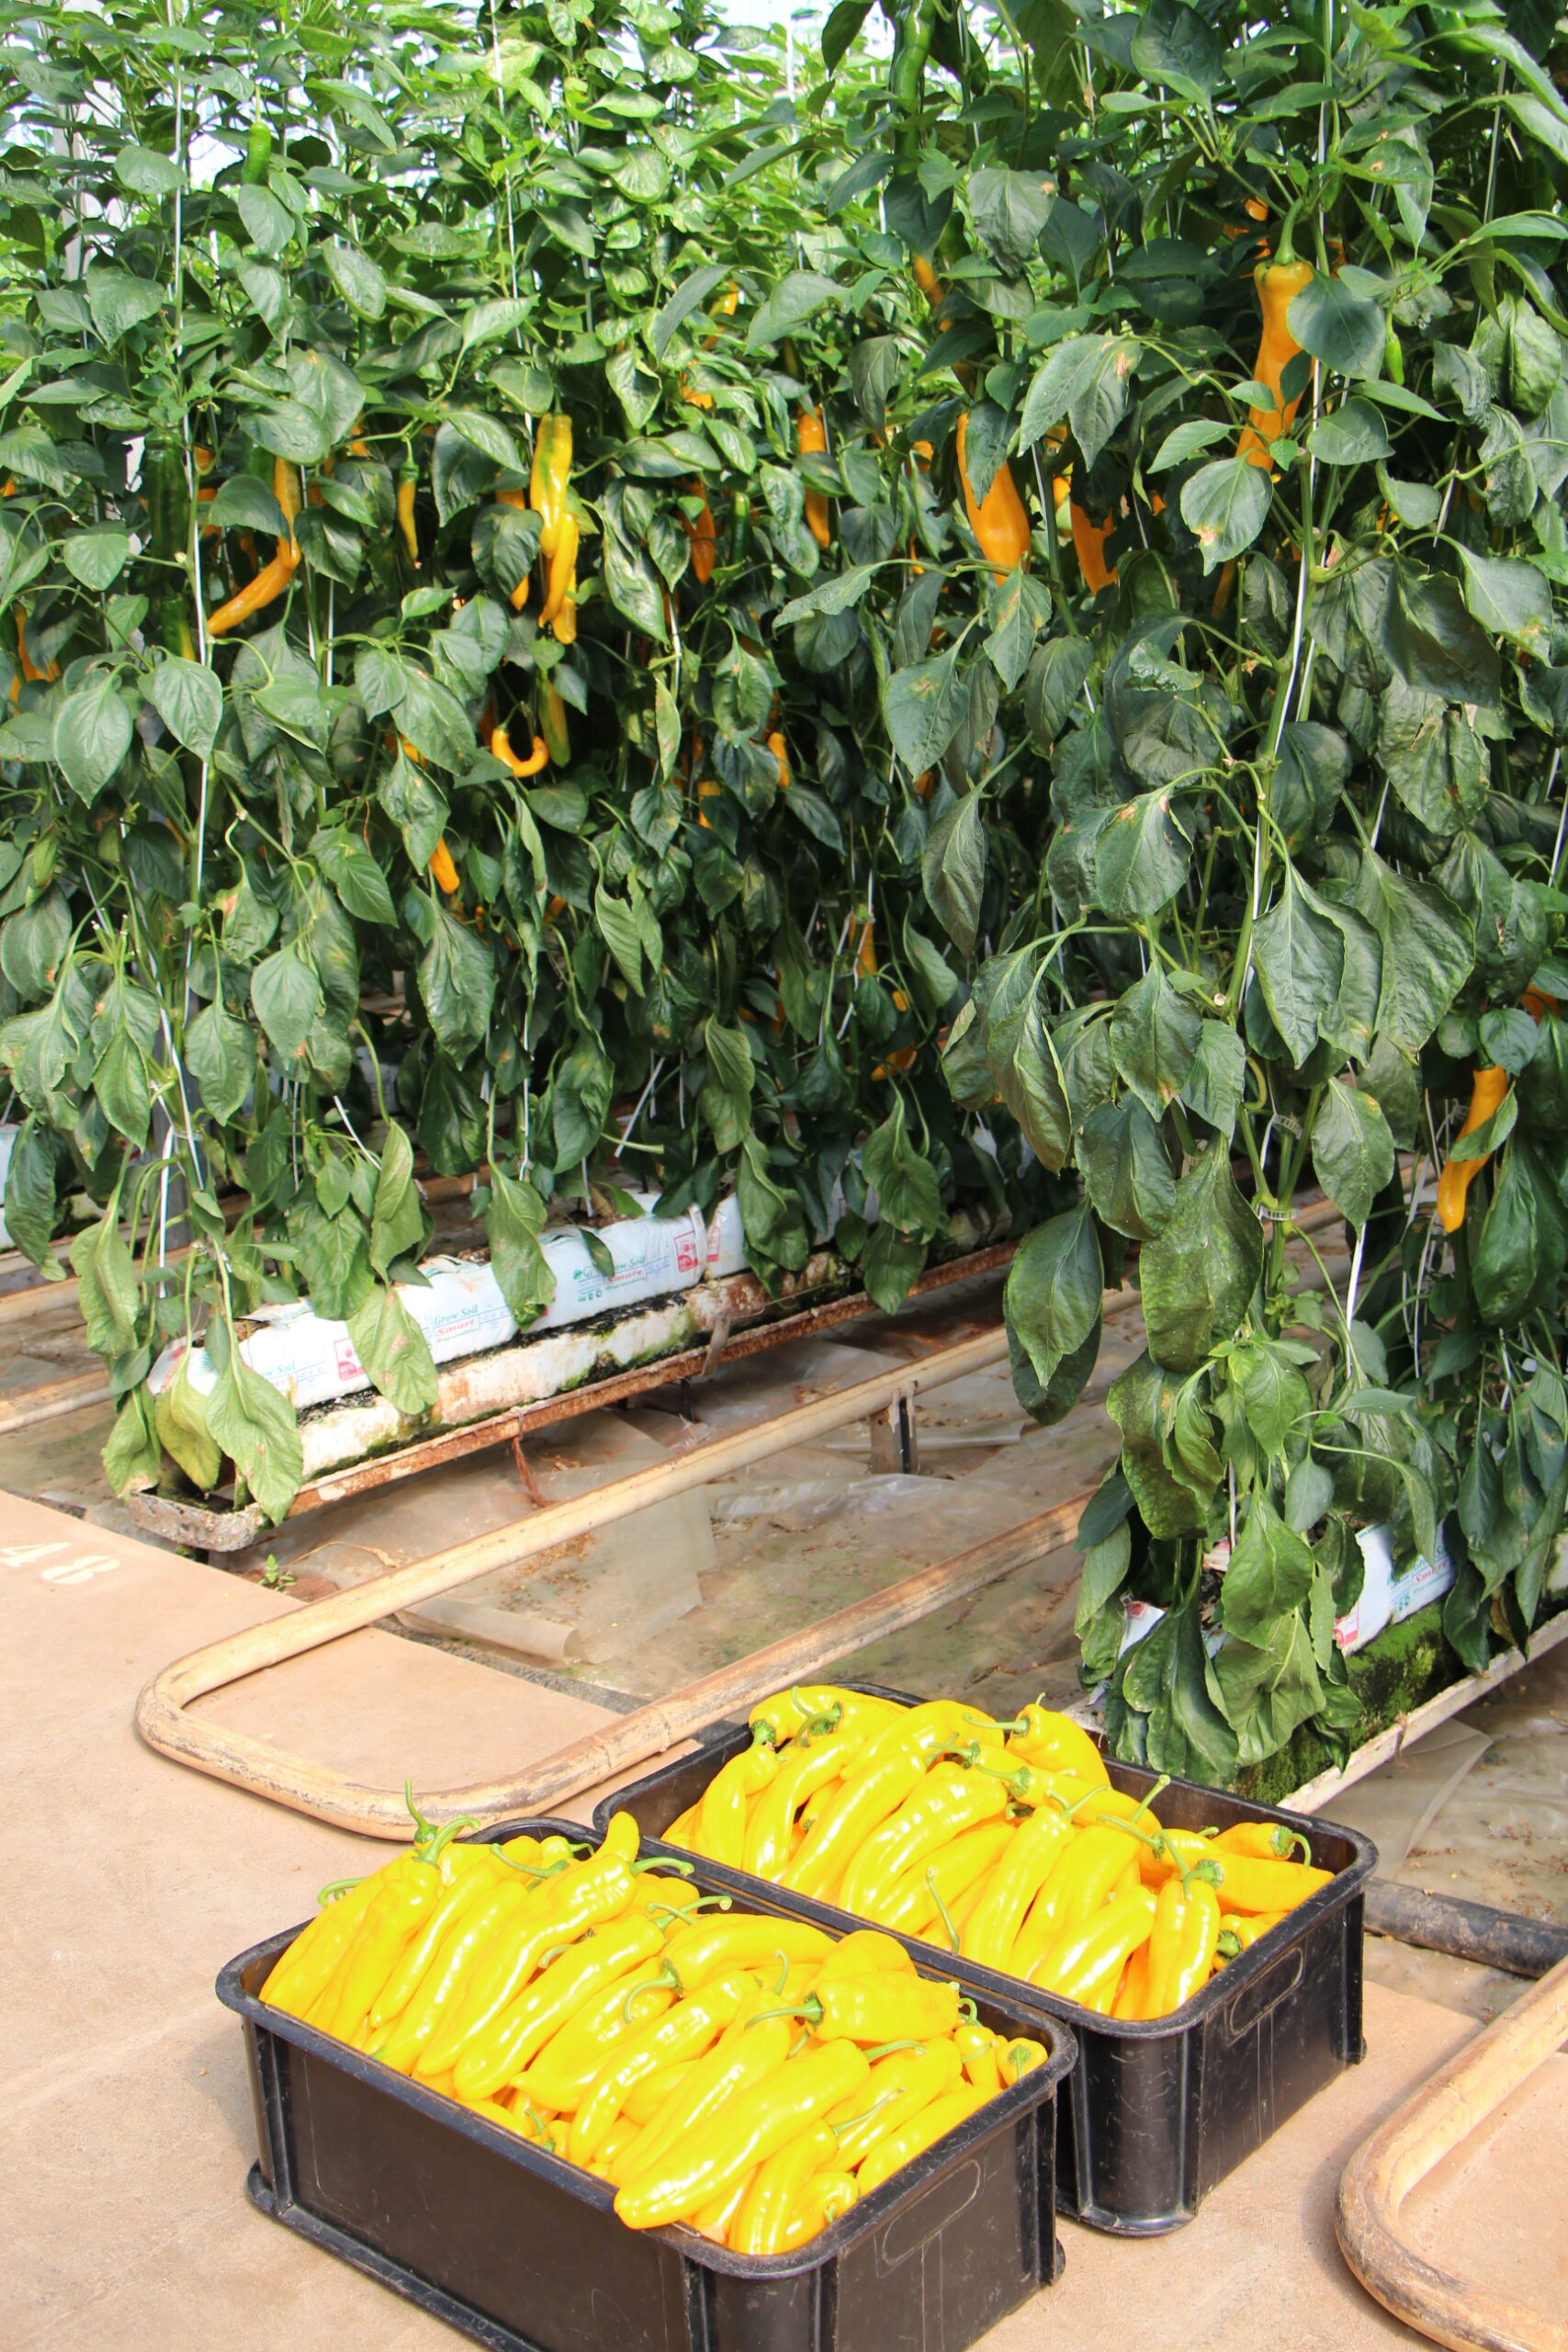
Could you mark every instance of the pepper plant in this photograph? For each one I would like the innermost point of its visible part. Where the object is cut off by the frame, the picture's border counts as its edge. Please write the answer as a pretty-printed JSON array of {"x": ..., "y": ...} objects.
[{"x": 1055, "y": 562}]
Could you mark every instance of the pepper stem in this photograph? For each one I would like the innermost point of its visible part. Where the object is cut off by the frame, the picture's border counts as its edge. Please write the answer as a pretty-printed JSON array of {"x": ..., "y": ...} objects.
[{"x": 947, "y": 1915}]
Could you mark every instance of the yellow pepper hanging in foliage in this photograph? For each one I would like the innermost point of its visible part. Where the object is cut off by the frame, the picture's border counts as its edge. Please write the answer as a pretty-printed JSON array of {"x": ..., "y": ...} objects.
[
  {"x": 272, "y": 577},
  {"x": 997, "y": 520},
  {"x": 408, "y": 488},
  {"x": 500, "y": 749},
  {"x": 1486, "y": 1097},
  {"x": 547, "y": 483},
  {"x": 1278, "y": 284},
  {"x": 811, "y": 435},
  {"x": 442, "y": 872}
]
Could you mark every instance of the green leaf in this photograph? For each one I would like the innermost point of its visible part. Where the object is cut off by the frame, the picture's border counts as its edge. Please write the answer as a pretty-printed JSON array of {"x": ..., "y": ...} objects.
[
  {"x": 1352, "y": 434},
  {"x": 1342, "y": 329},
  {"x": 146, "y": 173},
  {"x": 1140, "y": 857},
  {"x": 1166, "y": 1678},
  {"x": 1213, "y": 1084},
  {"x": 1199, "y": 1273},
  {"x": 1427, "y": 950},
  {"x": 1274, "y": 1397},
  {"x": 1352, "y": 1150},
  {"x": 398, "y": 1221},
  {"x": 1176, "y": 46},
  {"x": 903, "y": 1179},
  {"x": 287, "y": 995},
  {"x": 889, "y": 1264},
  {"x": 132, "y": 1457},
  {"x": 456, "y": 983},
  {"x": 92, "y": 735},
  {"x": 1519, "y": 1257},
  {"x": 799, "y": 296},
  {"x": 689, "y": 295},
  {"x": 726, "y": 1098},
  {"x": 243, "y": 503},
  {"x": 188, "y": 698},
  {"x": 1007, "y": 210},
  {"x": 513, "y": 1223},
  {"x": 489, "y": 436},
  {"x": 1155, "y": 1034},
  {"x": 257, "y": 1431},
  {"x": 1126, "y": 1168},
  {"x": 354, "y": 876},
  {"x": 394, "y": 1352},
  {"x": 1510, "y": 599},
  {"x": 772, "y": 1218},
  {"x": 180, "y": 1417},
  {"x": 1184, "y": 442},
  {"x": 952, "y": 870},
  {"x": 924, "y": 707},
  {"x": 220, "y": 1055},
  {"x": 1055, "y": 1289},
  {"x": 1268, "y": 1687},
  {"x": 359, "y": 280},
  {"x": 96, "y": 557},
  {"x": 107, "y": 1285},
  {"x": 1224, "y": 505},
  {"x": 1270, "y": 1573},
  {"x": 1299, "y": 951}
]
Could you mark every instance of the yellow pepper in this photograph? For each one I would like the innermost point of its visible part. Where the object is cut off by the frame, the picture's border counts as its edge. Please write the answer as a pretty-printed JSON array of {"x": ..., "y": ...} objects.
[
  {"x": 1086, "y": 1962},
  {"x": 998, "y": 521},
  {"x": 1055, "y": 1743},
  {"x": 947, "y": 1801},
  {"x": 500, "y": 749},
  {"x": 1182, "y": 1944},
  {"x": 443, "y": 873},
  {"x": 408, "y": 490},
  {"x": 779, "y": 2107},
  {"x": 810, "y": 437},
  {"x": 900, "y": 2147},
  {"x": 721, "y": 1824},
  {"x": 1453, "y": 1185},
  {"x": 1278, "y": 284}
]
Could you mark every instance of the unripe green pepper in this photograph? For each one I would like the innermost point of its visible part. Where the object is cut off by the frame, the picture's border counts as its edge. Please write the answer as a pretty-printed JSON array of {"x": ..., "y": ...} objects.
[
  {"x": 258, "y": 155},
  {"x": 553, "y": 725}
]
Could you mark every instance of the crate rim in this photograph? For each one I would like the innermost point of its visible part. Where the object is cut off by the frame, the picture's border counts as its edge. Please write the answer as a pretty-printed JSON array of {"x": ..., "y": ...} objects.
[{"x": 1012, "y": 2101}]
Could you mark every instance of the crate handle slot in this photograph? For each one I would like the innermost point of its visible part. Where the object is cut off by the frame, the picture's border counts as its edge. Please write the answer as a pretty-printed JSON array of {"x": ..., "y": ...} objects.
[
  {"x": 1258, "y": 2000},
  {"x": 921, "y": 2223}
]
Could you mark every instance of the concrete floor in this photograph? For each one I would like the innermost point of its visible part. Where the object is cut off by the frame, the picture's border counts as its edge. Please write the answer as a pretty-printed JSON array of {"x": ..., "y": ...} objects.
[{"x": 123, "y": 2109}]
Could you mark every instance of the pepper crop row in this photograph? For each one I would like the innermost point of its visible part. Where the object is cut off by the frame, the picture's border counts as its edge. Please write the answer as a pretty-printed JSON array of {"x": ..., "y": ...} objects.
[
  {"x": 1005, "y": 1840},
  {"x": 750, "y": 2076}
]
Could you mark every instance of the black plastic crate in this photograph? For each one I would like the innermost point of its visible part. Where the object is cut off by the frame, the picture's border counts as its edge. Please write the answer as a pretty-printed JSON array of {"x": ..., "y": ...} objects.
[
  {"x": 522, "y": 2251},
  {"x": 1158, "y": 2111}
]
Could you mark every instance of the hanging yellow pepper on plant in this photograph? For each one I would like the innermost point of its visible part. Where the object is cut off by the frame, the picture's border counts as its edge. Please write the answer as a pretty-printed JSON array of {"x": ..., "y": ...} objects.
[
  {"x": 997, "y": 520},
  {"x": 1089, "y": 545},
  {"x": 811, "y": 437},
  {"x": 547, "y": 482},
  {"x": 272, "y": 577},
  {"x": 408, "y": 488},
  {"x": 1278, "y": 283},
  {"x": 500, "y": 749},
  {"x": 553, "y": 725},
  {"x": 443, "y": 874},
  {"x": 704, "y": 536},
  {"x": 1486, "y": 1097}
]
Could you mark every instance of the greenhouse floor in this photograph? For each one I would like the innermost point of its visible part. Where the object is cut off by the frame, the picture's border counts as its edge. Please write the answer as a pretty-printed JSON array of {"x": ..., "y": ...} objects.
[{"x": 123, "y": 2100}]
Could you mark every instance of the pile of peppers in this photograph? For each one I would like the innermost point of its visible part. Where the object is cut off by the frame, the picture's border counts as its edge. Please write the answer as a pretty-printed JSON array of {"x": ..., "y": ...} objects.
[
  {"x": 1006, "y": 1841},
  {"x": 750, "y": 2077}
]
